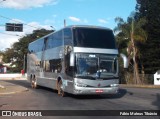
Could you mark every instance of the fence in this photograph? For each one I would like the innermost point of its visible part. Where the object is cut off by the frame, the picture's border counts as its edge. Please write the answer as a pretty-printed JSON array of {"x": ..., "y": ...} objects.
[{"x": 128, "y": 78}]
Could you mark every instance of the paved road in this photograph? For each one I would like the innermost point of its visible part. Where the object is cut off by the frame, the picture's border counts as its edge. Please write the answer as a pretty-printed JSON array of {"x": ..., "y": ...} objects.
[{"x": 47, "y": 99}]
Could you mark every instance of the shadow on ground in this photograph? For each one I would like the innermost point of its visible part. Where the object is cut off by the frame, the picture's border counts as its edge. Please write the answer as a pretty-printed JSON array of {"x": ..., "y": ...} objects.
[
  {"x": 22, "y": 83},
  {"x": 156, "y": 102},
  {"x": 122, "y": 92}
]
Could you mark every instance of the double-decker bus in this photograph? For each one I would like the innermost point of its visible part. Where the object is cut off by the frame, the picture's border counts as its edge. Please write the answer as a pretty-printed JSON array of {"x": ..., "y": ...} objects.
[{"x": 76, "y": 59}]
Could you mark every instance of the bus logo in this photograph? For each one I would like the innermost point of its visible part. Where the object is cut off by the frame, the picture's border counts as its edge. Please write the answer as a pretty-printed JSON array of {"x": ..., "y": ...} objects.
[{"x": 99, "y": 85}]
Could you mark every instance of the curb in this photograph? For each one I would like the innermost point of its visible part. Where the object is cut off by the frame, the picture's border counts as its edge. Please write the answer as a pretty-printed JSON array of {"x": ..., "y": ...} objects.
[
  {"x": 7, "y": 88},
  {"x": 15, "y": 78},
  {"x": 14, "y": 92},
  {"x": 140, "y": 86}
]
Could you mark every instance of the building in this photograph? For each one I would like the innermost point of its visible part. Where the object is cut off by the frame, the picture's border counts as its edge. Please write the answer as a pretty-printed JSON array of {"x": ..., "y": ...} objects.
[
  {"x": 157, "y": 78},
  {"x": 3, "y": 68}
]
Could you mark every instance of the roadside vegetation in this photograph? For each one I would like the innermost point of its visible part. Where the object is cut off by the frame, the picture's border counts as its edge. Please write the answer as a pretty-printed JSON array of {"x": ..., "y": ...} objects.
[{"x": 138, "y": 37}]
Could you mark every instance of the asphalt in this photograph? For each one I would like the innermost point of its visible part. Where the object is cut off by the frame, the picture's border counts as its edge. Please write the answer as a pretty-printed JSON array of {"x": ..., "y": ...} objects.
[{"x": 10, "y": 88}]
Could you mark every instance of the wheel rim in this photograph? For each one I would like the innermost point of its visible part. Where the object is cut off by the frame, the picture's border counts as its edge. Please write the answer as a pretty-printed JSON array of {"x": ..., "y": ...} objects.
[
  {"x": 34, "y": 83},
  {"x": 60, "y": 88}
]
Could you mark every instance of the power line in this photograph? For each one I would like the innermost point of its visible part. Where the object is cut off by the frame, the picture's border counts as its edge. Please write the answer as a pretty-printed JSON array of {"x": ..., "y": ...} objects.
[
  {"x": 10, "y": 34},
  {"x": 17, "y": 21}
]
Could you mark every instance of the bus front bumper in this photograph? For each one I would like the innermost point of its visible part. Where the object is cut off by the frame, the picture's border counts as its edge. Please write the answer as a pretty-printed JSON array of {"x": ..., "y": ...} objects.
[{"x": 95, "y": 91}]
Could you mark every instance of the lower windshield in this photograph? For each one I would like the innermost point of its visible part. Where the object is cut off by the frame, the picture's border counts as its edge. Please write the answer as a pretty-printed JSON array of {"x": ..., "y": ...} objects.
[{"x": 96, "y": 66}]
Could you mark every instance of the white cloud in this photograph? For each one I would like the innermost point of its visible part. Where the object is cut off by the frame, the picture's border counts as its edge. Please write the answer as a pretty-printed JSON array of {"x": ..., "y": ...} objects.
[
  {"x": 85, "y": 21},
  {"x": 16, "y": 21},
  {"x": 74, "y": 19},
  {"x": 8, "y": 38},
  {"x": 1, "y": 28},
  {"x": 102, "y": 21},
  {"x": 25, "y": 4},
  {"x": 28, "y": 28}
]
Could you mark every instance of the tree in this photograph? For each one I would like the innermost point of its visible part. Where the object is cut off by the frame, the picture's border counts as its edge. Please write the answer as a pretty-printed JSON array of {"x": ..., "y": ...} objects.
[
  {"x": 19, "y": 49},
  {"x": 1, "y": 57},
  {"x": 151, "y": 48},
  {"x": 8, "y": 55},
  {"x": 133, "y": 32}
]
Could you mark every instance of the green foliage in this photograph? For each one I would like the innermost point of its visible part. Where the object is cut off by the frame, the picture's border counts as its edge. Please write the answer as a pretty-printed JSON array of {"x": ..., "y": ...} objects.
[
  {"x": 151, "y": 48},
  {"x": 145, "y": 28},
  {"x": 131, "y": 34},
  {"x": 124, "y": 29}
]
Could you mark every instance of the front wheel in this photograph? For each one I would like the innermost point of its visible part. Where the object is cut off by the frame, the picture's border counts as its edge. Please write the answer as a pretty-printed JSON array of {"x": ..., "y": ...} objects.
[
  {"x": 60, "y": 89},
  {"x": 34, "y": 83}
]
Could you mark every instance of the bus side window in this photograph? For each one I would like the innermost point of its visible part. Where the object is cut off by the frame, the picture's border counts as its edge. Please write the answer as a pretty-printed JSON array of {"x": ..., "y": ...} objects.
[
  {"x": 55, "y": 65},
  {"x": 67, "y": 50}
]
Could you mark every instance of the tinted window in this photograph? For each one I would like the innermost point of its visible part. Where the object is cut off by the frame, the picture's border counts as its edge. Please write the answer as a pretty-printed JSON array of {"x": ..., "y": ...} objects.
[
  {"x": 94, "y": 38},
  {"x": 55, "y": 40},
  {"x": 67, "y": 49},
  {"x": 36, "y": 46},
  {"x": 67, "y": 37}
]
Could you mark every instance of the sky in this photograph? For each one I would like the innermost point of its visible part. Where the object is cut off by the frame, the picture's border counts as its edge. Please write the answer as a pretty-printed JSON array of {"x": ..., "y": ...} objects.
[{"x": 50, "y": 14}]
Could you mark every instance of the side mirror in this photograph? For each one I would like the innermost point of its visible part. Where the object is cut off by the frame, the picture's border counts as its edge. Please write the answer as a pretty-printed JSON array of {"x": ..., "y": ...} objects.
[
  {"x": 72, "y": 59},
  {"x": 125, "y": 60}
]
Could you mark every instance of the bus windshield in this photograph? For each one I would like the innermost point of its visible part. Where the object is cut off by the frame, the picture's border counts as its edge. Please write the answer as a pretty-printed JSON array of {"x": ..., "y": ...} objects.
[
  {"x": 95, "y": 66},
  {"x": 94, "y": 38}
]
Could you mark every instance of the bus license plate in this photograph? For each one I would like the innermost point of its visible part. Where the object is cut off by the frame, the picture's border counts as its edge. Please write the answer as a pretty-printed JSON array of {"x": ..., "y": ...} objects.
[{"x": 99, "y": 91}]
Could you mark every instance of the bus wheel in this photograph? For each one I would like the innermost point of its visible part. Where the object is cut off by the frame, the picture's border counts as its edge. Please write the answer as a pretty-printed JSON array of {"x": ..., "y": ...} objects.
[
  {"x": 34, "y": 82},
  {"x": 60, "y": 89}
]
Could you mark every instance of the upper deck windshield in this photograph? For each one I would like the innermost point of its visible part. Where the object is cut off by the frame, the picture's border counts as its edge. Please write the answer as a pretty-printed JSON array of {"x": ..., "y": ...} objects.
[{"x": 94, "y": 38}]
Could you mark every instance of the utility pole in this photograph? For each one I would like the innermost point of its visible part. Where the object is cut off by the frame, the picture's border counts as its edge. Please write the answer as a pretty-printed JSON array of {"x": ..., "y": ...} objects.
[
  {"x": 24, "y": 62},
  {"x": 64, "y": 23}
]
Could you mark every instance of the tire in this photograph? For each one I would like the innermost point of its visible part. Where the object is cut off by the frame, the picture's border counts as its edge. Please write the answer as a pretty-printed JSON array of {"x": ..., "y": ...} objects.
[
  {"x": 60, "y": 89},
  {"x": 34, "y": 83}
]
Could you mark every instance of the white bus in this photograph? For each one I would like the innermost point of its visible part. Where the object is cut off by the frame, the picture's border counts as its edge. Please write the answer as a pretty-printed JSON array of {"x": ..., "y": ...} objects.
[{"x": 76, "y": 59}]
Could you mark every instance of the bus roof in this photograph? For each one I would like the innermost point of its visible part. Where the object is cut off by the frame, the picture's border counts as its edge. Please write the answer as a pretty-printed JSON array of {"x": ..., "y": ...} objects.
[
  {"x": 87, "y": 26},
  {"x": 73, "y": 26}
]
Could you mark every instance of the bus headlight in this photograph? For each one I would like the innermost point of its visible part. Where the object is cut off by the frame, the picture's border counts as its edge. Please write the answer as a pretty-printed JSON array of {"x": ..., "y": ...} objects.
[{"x": 114, "y": 85}]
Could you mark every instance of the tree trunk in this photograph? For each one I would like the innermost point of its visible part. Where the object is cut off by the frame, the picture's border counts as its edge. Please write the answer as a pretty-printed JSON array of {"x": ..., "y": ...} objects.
[
  {"x": 136, "y": 72},
  {"x": 143, "y": 75}
]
